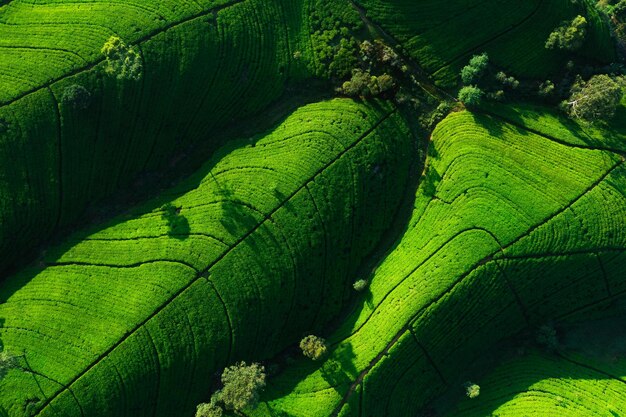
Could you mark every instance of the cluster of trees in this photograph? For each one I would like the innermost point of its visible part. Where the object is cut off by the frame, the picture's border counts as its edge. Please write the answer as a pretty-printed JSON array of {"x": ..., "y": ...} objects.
[
  {"x": 470, "y": 94},
  {"x": 241, "y": 388},
  {"x": 373, "y": 76},
  {"x": 364, "y": 84},
  {"x": 122, "y": 61},
  {"x": 569, "y": 36}
]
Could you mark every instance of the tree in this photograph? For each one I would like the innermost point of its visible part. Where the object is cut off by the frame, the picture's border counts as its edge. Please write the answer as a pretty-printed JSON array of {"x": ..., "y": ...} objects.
[
  {"x": 569, "y": 36},
  {"x": 472, "y": 390},
  {"x": 313, "y": 347},
  {"x": 242, "y": 386},
  {"x": 546, "y": 337},
  {"x": 7, "y": 362},
  {"x": 76, "y": 96},
  {"x": 360, "y": 285},
  {"x": 209, "y": 410},
  {"x": 595, "y": 100},
  {"x": 475, "y": 69},
  {"x": 470, "y": 95},
  {"x": 122, "y": 60}
]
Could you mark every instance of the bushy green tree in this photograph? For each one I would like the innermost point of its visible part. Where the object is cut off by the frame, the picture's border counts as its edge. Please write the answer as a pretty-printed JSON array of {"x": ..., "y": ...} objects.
[
  {"x": 76, "y": 96},
  {"x": 242, "y": 385},
  {"x": 595, "y": 100},
  {"x": 7, "y": 362},
  {"x": 470, "y": 95},
  {"x": 122, "y": 61},
  {"x": 475, "y": 69},
  {"x": 360, "y": 285},
  {"x": 313, "y": 347},
  {"x": 570, "y": 36},
  {"x": 472, "y": 390}
]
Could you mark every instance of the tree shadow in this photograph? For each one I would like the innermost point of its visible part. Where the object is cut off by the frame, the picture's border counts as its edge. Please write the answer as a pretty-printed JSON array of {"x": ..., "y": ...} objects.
[
  {"x": 177, "y": 224},
  {"x": 339, "y": 369},
  {"x": 430, "y": 181}
]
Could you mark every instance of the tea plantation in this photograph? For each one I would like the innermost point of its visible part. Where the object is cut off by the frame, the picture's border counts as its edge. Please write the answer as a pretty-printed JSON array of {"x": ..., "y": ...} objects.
[{"x": 312, "y": 208}]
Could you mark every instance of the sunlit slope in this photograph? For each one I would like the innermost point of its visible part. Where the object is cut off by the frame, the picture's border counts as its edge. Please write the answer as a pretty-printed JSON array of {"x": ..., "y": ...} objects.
[
  {"x": 205, "y": 64},
  {"x": 236, "y": 263},
  {"x": 443, "y": 36},
  {"x": 584, "y": 376},
  {"x": 547, "y": 385},
  {"x": 510, "y": 228}
]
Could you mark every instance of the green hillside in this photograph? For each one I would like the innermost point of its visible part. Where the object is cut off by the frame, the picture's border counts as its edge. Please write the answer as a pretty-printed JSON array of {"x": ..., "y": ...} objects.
[
  {"x": 195, "y": 282},
  {"x": 492, "y": 247},
  {"x": 204, "y": 64},
  {"x": 312, "y": 208}
]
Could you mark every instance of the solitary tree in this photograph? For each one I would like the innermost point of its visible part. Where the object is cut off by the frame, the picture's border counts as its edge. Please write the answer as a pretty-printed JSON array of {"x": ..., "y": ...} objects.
[
  {"x": 595, "y": 100},
  {"x": 546, "y": 337},
  {"x": 475, "y": 69},
  {"x": 472, "y": 390},
  {"x": 242, "y": 386},
  {"x": 470, "y": 95},
  {"x": 360, "y": 285},
  {"x": 122, "y": 61},
  {"x": 7, "y": 362},
  {"x": 76, "y": 96},
  {"x": 569, "y": 36},
  {"x": 313, "y": 347}
]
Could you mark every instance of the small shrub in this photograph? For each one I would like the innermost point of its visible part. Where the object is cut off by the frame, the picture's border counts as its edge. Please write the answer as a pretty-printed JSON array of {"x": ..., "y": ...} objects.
[
  {"x": 546, "y": 89},
  {"x": 570, "y": 36},
  {"x": 547, "y": 338},
  {"x": 360, "y": 285},
  {"x": 122, "y": 61},
  {"x": 471, "y": 95},
  {"x": 472, "y": 390},
  {"x": 242, "y": 385},
  {"x": 77, "y": 97},
  {"x": 507, "y": 81},
  {"x": 313, "y": 347}
]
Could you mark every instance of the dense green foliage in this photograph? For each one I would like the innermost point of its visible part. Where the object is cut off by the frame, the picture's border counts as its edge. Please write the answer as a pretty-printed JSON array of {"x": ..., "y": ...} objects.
[
  {"x": 242, "y": 385},
  {"x": 313, "y": 347},
  {"x": 569, "y": 36},
  {"x": 146, "y": 307},
  {"x": 595, "y": 100}
]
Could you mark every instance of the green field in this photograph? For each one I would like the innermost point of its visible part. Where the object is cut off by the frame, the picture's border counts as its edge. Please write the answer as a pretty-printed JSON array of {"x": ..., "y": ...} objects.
[
  {"x": 487, "y": 252},
  {"x": 443, "y": 39},
  {"x": 185, "y": 185}
]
